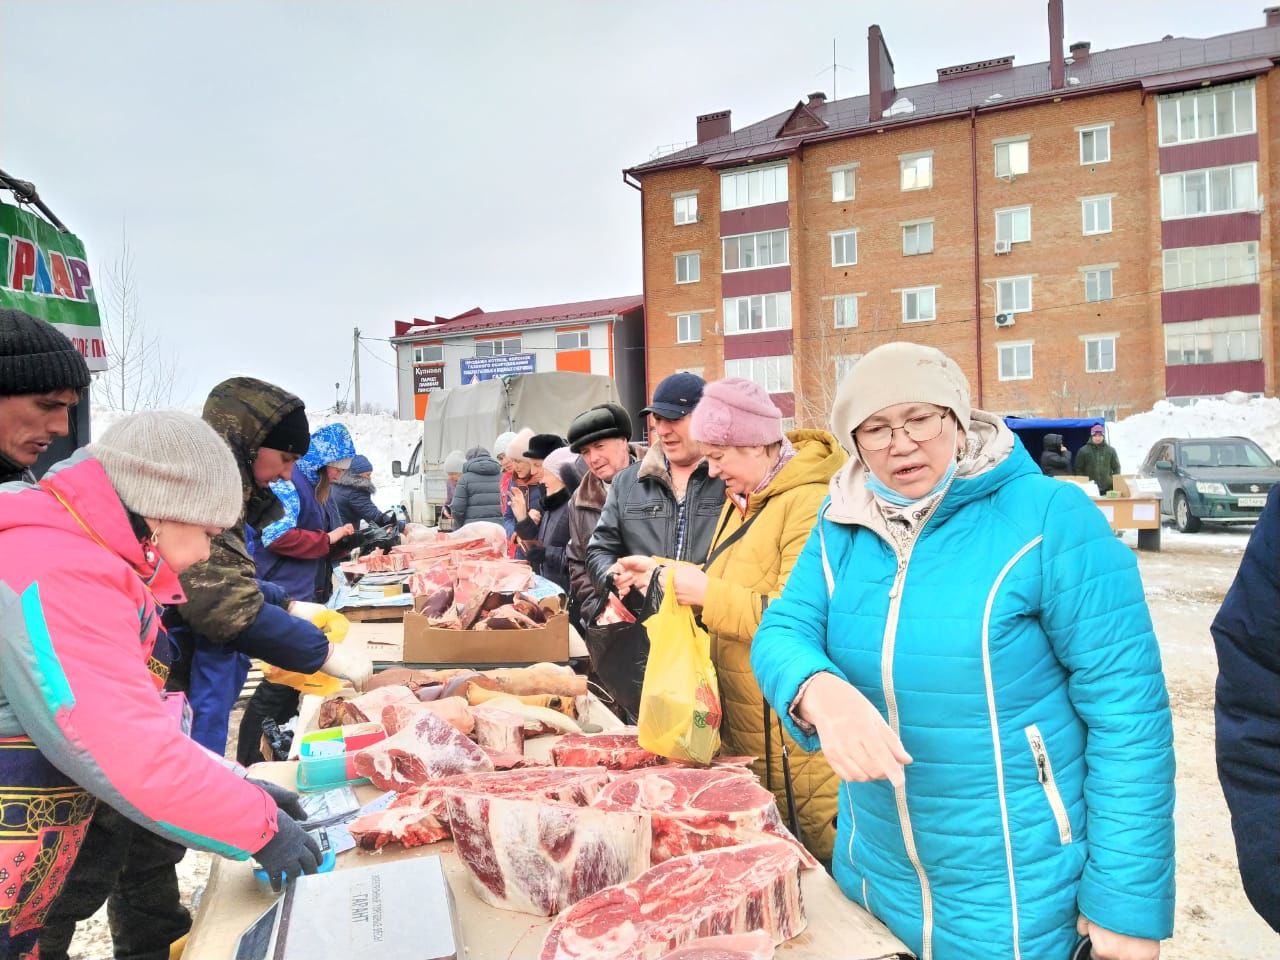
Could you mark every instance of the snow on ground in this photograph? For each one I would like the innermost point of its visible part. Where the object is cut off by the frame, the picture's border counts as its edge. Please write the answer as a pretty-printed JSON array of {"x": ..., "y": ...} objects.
[{"x": 1258, "y": 419}]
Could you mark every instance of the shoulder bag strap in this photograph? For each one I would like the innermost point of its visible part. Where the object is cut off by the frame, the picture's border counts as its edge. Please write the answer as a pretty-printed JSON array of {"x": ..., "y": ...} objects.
[{"x": 732, "y": 538}]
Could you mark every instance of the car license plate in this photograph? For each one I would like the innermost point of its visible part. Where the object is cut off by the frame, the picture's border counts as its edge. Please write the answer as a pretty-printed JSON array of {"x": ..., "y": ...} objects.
[{"x": 1251, "y": 502}]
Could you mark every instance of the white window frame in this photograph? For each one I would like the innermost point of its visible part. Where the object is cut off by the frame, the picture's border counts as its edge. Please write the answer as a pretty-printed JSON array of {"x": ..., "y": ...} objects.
[
  {"x": 844, "y": 363},
  {"x": 1017, "y": 152},
  {"x": 684, "y": 209},
  {"x": 1012, "y": 214},
  {"x": 1245, "y": 331},
  {"x": 688, "y": 328},
  {"x": 1100, "y": 366},
  {"x": 915, "y": 292},
  {"x": 919, "y": 227},
  {"x": 420, "y": 354},
  {"x": 1103, "y": 131},
  {"x": 1011, "y": 349},
  {"x": 840, "y": 240},
  {"x": 844, "y": 310},
  {"x": 1195, "y": 102},
  {"x": 1197, "y": 265},
  {"x": 754, "y": 187},
  {"x": 757, "y": 243},
  {"x": 912, "y": 162},
  {"x": 1097, "y": 203},
  {"x": 1009, "y": 288},
  {"x": 502, "y": 343},
  {"x": 583, "y": 337},
  {"x": 1097, "y": 274},
  {"x": 1177, "y": 182},
  {"x": 692, "y": 264},
  {"x": 776, "y": 373},
  {"x": 844, "y": 183},
  {"x": 770, "y": 306}
]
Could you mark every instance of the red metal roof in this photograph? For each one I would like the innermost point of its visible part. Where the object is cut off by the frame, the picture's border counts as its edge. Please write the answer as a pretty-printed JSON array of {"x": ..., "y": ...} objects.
[{"x": 475, "y": 320}]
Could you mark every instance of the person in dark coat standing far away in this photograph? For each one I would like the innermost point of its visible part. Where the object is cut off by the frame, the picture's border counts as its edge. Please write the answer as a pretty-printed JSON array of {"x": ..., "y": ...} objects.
[
  {"x": 478, "y": 495},
  {"x": 353, "y": 495},
  {"x": 1098, "y": 460},
  {"x": 1054, "y": 461}
]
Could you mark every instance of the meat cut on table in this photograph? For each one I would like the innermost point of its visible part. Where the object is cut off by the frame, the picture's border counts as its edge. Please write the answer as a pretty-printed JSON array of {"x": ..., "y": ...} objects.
[
  {"x": 756, "y": 945},
  {"x": 613, "y": 751},
  {"x": 428, "y": 750},
  {"x": 497, "y": 729},
  {"x": 700, "y": 809},
  {"x": 455, "y": 710},
  {"x": 727, "y": 891},
  {"x": 539, "y": 856},
  {"x": 408, "y": 826},
  {"x": 366, "y": 708}
]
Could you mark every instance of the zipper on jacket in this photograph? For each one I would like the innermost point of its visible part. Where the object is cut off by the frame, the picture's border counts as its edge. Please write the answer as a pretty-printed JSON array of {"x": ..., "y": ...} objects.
[{"x": 1044, "y": 773}]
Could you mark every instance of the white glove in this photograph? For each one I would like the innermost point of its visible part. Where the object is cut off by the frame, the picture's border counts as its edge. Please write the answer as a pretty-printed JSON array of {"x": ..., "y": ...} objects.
[{"x": 346, "y": 664}]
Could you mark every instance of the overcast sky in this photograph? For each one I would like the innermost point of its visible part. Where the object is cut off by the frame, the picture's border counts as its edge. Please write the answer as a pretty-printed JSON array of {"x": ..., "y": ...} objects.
[{"x": 288, "y": 171}]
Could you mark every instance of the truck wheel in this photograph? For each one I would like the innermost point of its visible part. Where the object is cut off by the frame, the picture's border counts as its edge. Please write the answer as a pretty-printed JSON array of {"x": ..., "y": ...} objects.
[{"x": 1183, "y": 518}]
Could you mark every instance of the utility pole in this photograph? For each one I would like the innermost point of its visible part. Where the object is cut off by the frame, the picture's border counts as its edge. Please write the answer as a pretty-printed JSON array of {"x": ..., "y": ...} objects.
[{"x": 355, "y": 363}]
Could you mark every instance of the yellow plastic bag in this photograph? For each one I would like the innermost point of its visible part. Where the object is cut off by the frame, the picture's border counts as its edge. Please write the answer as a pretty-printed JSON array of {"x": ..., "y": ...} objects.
[
  {"x": 335, "y": 627},
  {"x": 680, "y": 704}
]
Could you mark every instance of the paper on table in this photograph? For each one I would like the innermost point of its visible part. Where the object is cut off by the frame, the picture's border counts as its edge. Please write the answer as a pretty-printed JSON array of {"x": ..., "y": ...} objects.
[
  {"x": 329, "y": 805},
  {"x": 1144, "y": 511},
  {"x": 1108, "y": 511}
]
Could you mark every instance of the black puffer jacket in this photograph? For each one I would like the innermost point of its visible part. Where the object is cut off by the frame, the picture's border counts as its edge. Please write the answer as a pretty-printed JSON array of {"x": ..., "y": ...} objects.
[
  {"x": 478, "y": 495},
  {"x": 1053, "y": 462},
  {"x": 547, "y": 541},
  {"x": 353, "y": 496}
]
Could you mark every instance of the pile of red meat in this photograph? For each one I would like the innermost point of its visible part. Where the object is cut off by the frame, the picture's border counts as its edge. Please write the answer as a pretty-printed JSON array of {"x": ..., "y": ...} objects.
[{"x": 478, "y": 595}]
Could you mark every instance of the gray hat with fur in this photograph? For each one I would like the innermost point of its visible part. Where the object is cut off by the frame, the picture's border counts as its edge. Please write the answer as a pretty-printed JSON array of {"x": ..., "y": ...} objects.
[{"x": 169, "y": 465}]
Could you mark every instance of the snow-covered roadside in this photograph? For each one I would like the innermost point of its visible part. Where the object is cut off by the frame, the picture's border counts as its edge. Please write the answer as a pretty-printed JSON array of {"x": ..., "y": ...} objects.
[{"x": 1258, "y": 419}]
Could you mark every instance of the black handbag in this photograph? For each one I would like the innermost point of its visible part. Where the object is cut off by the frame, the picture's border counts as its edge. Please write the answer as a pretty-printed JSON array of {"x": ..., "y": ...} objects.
[{"x": 619, "y": 653}]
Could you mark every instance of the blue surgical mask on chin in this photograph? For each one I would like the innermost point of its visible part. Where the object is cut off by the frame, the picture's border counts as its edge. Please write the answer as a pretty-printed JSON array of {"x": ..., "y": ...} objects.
[{"x": 889, "y": 495}]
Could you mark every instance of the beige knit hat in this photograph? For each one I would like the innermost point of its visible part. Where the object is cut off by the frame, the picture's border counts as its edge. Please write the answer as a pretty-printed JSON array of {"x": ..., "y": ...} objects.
[
  {"x": 169, "y": 465},
  {"x": 519, "y": 446},
  {"x": 895, "y": 373}
]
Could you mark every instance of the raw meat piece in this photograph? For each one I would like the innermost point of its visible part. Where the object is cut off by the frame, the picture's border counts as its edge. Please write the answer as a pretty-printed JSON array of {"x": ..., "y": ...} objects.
[
  {"x": 614, "y": 611},
  {"x": 506, "y": 617},
  {"x": 614, "y": 751},
  {"x": 732, "y": 890},
  {"x": 477, "y": 695},
  {"x": 453, "y": 709},
  {"x": 502, "y": 576},
  {"x": 695, "y": 810},
  {"x": 536, "y": 856},
  {"x": 540, "y": 678},
  {"x": 365, "y": 708},
  {"x": 426, "y": 582},
  {"x": 428, "y": 750},
  {"x": 512, "y": 761},
  {"x": 436, "y": 602},
  {"x": 498, "y": 730},
  {"x": 408, "y": 826},
  {"x": 756, "y": 945},
  {"x": 493, "y": 535}
]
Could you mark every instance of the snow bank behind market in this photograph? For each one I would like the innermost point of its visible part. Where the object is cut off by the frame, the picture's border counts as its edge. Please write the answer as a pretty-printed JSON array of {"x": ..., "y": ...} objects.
[{"x": 1258, "y": 419}]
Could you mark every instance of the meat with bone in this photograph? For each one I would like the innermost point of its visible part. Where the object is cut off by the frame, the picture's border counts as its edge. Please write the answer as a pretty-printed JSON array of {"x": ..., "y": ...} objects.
[
  {"x": 695, "y": 810},
  {"x": 408, "y": 826},
  {"x": 506, "y": 617},
  {"x": 497, "y": 729},
  {"x": 756, "y": 945},
  {"x": 614, "y": 751},
  {"x": 537, "y": 856},
  {"x": 453, "y": 709},
  {"x": 428, "y": 750},
  {"x": 365, "y": 708},
  {"x": 731, "y": 890}
]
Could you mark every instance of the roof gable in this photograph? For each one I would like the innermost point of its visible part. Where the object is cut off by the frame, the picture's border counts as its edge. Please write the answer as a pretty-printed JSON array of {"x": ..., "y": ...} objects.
[{"x": 801, "y": 120}]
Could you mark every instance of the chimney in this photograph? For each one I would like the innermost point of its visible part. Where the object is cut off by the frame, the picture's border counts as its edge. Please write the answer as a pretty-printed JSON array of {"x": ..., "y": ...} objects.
[
  {"x": 1080, "y": 51},
  {"x": 712, "y": 125},
  {"x": 1273, "y": 16},
  {"x": 817, "y": 99},
  {"x": 880, "y": 73},
  {"x": 1056, "y": 32}
]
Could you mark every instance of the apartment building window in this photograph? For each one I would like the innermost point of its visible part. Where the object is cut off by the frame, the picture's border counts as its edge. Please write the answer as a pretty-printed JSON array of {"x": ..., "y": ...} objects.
[
  {"x": 429, "y": 354},
  {"x": 1100, "y": 354},
  {"x": 846, "y": 310},
  {"x": 573, "y": 340},
  {"x": 498, "y": 348},
  {"x": 1015, "y": 361},
  {"x": 1196, "y": 193},
  {"x": 769, "y": 311},
  {"x": 751, "y": 251},
  {"x": 1013, "y": 158},
  {"x": 688, "y": 328},
  {"x": 917, "y": 238},
  {"x": 1226, "y": 111},
  {"x": 1222, "y": 265},
  {"x": 753, "y": 188},
  {"x": 844, "y": 363},
  {"x": 1095, "y": 145},
  {"x": 1097, "y": 284},
  {"x": 1013, "y": 295},
  {"x": 919, "y": 304},
  {"x": 1096, "y": 215},
  {"x": 772, "y": 373},
  {"x": 686, "y": 209},
  {"x": 916, "y": 170},
  {"x": 844, "y": 248},
  {"x": 842, "y": 186},
  {"x": 1220, "y": 340},
  {"x": 696, "y": 371},
  {"x": 688, "y": 267},
  {"x": 1014, "y": 224}
]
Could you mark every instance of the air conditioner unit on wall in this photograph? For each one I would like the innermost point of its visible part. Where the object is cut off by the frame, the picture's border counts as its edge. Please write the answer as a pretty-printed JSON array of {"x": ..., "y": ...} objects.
[
  {"x": 1003, "y": 246},
  {"x": 1004, "y": 319}
]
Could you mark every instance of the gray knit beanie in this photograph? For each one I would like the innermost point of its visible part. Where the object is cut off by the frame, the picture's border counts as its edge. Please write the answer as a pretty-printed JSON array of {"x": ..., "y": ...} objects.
[{"x": 169, "y": 465}]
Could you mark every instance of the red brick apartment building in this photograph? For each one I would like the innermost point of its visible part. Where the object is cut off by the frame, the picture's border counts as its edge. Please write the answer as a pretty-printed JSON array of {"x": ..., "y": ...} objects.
[{"x": 1084, "y": 235}]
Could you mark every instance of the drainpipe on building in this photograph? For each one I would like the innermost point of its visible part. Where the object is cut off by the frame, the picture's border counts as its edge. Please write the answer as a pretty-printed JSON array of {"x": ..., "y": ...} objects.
[
  {"x": 977, "y": 269},
  {"x": 644, "y": 291}
]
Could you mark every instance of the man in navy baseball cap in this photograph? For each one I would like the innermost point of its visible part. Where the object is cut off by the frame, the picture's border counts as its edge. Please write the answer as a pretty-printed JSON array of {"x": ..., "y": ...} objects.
[{"x": 676, "y": 396}]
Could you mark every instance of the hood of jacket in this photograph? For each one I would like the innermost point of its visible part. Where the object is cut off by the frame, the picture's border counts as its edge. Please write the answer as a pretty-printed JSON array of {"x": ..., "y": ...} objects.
[
  {"x": 482, "y": 466},
  {"x": 817, "y": 458},
  {"x": 1052, "y": 443},
  {"x": 329, "y": 443},
  {"x": 992, "y": 457},
  {"x": 76, "y": 497},
  {"x": 243, "y": 410},
  {"x": 356, "y": 481}
]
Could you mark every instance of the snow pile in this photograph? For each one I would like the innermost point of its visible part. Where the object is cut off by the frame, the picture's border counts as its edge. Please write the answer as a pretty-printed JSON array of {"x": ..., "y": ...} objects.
[{"x": 1258, "y": 419}]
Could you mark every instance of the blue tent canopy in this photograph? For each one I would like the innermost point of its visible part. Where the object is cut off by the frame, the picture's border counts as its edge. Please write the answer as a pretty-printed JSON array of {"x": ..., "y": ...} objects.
[{"x": 1073, "y": 430}]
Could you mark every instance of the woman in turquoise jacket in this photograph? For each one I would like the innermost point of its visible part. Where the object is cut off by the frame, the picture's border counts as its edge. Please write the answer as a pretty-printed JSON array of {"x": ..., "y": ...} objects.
[{"x": 970, "y": 647}]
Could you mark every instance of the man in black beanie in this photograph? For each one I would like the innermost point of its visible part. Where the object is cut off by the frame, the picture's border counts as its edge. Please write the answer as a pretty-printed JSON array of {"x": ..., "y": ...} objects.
[{"x": 41, "y": 376}]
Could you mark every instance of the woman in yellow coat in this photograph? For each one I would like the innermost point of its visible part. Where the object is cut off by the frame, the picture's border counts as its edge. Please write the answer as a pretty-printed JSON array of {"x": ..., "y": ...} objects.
[{"x": 774, "y": 485}]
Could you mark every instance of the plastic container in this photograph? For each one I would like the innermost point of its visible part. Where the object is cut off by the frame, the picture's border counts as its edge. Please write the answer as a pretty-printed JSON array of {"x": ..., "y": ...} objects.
[{"x": 326, "y": 757}]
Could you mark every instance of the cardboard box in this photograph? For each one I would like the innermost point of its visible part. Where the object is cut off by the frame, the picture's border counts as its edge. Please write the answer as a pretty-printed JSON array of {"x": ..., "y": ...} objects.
[
  {"x": 427, "y": 644},
  {"x": 1130, "y": 513}
]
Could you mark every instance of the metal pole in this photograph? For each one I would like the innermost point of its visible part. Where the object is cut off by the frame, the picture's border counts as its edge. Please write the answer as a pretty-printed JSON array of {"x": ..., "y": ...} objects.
[{"x": 355, "y": 346}]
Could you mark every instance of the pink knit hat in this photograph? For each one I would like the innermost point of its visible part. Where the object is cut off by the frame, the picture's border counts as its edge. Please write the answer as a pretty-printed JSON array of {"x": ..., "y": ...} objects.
[{"x": 736, "y": 413}]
